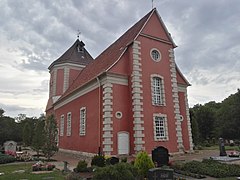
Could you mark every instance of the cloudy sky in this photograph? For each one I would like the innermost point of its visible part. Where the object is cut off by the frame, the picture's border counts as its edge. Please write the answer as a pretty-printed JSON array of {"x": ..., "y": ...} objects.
[{"x": 35, "y": 33}]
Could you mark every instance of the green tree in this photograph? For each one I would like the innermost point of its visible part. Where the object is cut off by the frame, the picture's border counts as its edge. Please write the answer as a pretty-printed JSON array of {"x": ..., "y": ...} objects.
[
  {"x": 194, "y": 127},
  {"x": 1, "y": 112},
  {"x": 229, "y": 117},
  {"x": 50, "y": 147},
  {"x": 205, "y": 118},
  {"x": 27, "y": 134},
  {"x": 38, "y": 136},
  {"x": 9, "y": 130}
]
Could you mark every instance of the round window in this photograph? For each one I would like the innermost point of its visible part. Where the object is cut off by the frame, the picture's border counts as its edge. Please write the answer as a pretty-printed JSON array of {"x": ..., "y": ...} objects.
[
  {"x": 118, "y": 114},
  {"x": 156, "y": 55},
  {"x": 181, "y": 118}
]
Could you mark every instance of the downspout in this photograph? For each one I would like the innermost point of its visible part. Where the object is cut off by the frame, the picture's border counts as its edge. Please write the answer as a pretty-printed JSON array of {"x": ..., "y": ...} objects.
[{"x": 99, "y": 114}]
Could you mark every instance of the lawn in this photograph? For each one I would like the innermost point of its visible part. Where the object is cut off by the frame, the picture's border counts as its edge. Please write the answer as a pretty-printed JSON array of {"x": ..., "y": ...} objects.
[
  {"x": 227, "y": 148},
  {"x": 8, "y": 170}
]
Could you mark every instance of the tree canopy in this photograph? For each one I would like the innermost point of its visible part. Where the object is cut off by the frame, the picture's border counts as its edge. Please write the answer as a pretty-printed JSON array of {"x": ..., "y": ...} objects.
[{"x": 215, "y": 120}]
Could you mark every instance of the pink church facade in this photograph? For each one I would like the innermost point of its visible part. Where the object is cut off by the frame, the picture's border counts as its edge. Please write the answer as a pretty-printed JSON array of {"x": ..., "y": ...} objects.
[{"x": 132, "y": 97}]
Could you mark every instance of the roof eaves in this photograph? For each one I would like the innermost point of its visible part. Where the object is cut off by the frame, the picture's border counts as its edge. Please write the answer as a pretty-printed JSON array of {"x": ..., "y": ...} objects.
[
  {"x": 180, "y": 73},
  {"x": 165, "y": 29}
]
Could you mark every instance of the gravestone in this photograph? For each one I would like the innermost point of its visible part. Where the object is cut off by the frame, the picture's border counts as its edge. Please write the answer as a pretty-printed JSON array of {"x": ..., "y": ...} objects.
[
  {"x": 160, "y": 156},
  {"x": 160, "y": 174},
  {"x": 10, "y": 146},
  {"x": 65, "y": 168},
  {"x": 222, "y": 147}
]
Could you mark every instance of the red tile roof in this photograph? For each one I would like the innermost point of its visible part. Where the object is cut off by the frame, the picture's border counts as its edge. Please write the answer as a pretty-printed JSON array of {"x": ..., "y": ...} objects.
[{"x": 111, "y": 55}]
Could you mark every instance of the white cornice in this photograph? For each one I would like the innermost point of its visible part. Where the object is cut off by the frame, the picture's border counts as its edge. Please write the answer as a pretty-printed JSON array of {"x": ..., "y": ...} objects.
[
  {"x": 155, "y": 38},
  {"x": 72, "y": 65},
  {"x": 108, "y": 77}
]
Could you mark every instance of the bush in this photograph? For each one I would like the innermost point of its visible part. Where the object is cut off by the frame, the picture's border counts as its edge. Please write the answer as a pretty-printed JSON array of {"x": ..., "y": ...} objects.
[
  {"x": 112, "y": 161},
  {"x": 81, "y": 166},
  {"x": 143, "y": 163},
  {"x": 211, "y": 168},
  {"x": 121, "y": 171},
  {"x": 124, "y": 159},
  {"x": 4, "y": 158},
  {"x": 98, "y": 160}
]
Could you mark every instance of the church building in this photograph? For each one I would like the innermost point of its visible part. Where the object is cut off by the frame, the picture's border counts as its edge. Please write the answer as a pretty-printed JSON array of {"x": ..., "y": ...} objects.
[{"x": 132, "y": 97}]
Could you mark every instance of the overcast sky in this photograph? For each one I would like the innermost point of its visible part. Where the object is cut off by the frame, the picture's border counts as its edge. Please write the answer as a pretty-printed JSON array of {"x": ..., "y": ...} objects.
[{"x": 35, "y": 33}]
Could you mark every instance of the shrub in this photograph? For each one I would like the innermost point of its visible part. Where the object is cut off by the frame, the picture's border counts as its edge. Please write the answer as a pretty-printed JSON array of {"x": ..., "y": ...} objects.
[
  {"x": 4, "y": 158},
  {"x": 112, "y": 161},
  {"x": 123, "y": 171},
  {"x": 81, "y": 166},
  {"x": 143, "y": 163},
  {"x": 211, "y": 168},
  {"x": 98, "y": 160},
  {"x": 124, "y": 159}
]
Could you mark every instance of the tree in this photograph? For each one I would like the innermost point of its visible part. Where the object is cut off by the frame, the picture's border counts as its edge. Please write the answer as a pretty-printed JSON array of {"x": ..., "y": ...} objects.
[
  {"x": 50, "y": 147},
  {"x": 194, "y": 127},
  {"x": 1, "y": 112},
  {"x": 38, "y": 136},
  {"x": 27, "y": 134},
  {"x": 229, "y": 117},
  {"x": 9, "y": 130},
  {"x": 205, "y": 120}
]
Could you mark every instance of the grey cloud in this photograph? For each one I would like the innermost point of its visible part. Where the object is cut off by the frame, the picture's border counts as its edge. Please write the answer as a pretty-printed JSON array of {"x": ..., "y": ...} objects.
[
  {"x": 14, "y": 110},
  {"x": 207, "y": 33},
  {"x": 43, "y": 88}
]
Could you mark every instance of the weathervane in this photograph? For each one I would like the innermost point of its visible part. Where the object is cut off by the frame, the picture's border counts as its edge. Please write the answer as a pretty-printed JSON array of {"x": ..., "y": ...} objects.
[
  {"x": 152, "y": 4},
  {"x": 78, "y": 33}
]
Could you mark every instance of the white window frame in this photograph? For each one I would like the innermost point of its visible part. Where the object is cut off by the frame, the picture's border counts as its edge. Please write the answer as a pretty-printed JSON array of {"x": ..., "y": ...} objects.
[
  {"x": 155, "y": 56},
  {"x": 158, "y": 91},
  {"x": 82, "y": 122},
  {"x": 160, "y": 127},
  {"x": 62, "y": 125},
  {"x": 69, "y": 124}
]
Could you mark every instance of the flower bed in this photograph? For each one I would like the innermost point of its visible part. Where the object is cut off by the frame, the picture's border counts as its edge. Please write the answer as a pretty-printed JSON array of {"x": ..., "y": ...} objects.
[{"x": 40, "y": 166}]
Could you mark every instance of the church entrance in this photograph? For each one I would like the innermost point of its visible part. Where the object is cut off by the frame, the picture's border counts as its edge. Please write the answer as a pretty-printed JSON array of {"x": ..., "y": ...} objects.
[{"x": 123, "y": 143}]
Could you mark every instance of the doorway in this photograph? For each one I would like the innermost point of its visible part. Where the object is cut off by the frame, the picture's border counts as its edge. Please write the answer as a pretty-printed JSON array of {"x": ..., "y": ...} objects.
[{"x": 123, "y": 143}]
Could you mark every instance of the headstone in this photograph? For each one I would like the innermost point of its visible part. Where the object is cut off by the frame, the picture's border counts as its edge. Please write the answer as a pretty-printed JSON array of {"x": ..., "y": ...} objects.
[
  {"x": 10, "y": 146},
  {"x": 222, "y": 147},
  {"x": 160, "y": 174},
  {"x": 65, "y": 168},
  {"x": 160, "y": 156}
]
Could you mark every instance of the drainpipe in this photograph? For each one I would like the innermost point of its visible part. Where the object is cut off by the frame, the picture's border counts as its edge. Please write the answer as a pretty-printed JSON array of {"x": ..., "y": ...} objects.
[{"x": 99, "y": 113}]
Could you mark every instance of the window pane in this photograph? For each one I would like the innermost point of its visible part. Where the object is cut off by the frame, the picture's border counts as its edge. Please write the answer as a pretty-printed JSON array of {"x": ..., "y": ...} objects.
[
  {"x": 159, "y": 127},
  {"x": 157, "y": 91}
]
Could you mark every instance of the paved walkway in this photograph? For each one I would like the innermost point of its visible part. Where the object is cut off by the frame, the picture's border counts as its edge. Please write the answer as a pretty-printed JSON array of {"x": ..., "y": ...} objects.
[{"x": 73, "y": 159}]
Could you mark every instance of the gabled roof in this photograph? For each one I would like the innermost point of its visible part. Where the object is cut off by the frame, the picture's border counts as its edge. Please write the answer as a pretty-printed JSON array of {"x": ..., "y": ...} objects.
[
  {"x": 111, "y": 55},
  {"x": 76, "y": 54}
]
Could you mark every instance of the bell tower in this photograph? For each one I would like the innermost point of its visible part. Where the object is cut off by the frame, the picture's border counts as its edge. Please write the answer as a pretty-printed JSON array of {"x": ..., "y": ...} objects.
[{"x": 65, "y": 69}]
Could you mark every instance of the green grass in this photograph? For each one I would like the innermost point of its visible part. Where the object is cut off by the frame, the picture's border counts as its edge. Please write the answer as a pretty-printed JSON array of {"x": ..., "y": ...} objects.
[
  {"x": 8, "y": 170},
  {"x": 227, "y": 148}
]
